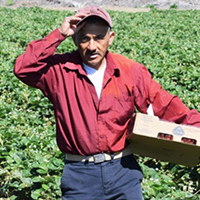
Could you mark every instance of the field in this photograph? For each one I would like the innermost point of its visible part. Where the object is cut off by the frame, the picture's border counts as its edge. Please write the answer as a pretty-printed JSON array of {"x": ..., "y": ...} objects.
[{"x": 166, "y": 42}]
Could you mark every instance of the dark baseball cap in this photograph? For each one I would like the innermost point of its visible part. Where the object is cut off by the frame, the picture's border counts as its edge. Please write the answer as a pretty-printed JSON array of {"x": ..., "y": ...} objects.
[{"x": 95, "y": 11}]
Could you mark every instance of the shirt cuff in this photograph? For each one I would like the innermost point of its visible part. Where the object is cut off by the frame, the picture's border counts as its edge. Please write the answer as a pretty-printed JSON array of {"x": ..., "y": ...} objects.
[{"x": 55, "y": 36}]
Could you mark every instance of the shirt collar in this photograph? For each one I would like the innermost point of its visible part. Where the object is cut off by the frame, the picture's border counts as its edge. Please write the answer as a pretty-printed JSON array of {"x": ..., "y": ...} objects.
[
  {"x": 112, "y": 67},
  {"x": 74, "y": 62}
]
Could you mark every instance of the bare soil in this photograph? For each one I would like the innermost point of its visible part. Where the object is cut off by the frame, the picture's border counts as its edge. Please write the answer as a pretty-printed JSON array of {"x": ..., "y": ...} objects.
[{"x": 125, "y": 5}]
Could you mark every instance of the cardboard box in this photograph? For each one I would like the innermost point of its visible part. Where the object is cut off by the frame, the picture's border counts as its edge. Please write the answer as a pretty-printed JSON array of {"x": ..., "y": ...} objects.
[{"x": 146, "y": 141}]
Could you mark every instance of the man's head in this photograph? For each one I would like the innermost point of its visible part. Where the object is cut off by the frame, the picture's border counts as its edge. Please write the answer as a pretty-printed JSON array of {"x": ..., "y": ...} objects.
[{"x": 95, "y": 36}]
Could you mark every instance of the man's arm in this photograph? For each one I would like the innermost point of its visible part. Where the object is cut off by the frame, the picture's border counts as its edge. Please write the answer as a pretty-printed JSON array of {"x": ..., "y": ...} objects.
[
  {"x": 165, "y": 106},
  {"x": 31, "y": 66}
]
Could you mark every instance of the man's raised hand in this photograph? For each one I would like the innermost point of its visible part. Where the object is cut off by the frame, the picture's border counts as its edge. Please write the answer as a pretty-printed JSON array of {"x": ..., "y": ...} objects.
[{"x": 69, "y": 26}]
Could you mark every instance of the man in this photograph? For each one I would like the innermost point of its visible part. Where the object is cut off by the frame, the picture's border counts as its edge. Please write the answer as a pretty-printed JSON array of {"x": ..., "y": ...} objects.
[{"x": 94, "y": 93}]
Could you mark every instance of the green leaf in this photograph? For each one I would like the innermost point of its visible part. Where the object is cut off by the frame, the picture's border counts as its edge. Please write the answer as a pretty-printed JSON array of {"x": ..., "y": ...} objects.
[
  {"x": 46, "y": 187},
  {"x": 41, "y": 171},
  {"x": 36, "y": 194}
]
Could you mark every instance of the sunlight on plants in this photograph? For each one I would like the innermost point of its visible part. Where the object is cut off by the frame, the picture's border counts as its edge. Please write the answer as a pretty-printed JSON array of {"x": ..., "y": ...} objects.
[{"x": 166, "y": 42}]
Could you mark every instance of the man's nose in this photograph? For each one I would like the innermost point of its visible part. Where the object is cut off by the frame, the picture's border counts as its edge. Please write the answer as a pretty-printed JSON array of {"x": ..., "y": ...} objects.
[{"x": 92, "y": 45}]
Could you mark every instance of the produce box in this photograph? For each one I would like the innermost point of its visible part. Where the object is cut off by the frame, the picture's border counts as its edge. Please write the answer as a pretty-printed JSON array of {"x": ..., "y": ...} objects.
[{"x": 166, "y": 141}]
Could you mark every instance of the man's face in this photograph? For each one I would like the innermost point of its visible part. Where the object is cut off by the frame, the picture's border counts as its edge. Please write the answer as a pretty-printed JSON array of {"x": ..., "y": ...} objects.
[{"x": 93, "y": 41}]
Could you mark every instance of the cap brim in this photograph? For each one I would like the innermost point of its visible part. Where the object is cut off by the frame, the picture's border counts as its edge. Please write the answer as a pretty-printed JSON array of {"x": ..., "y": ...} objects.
[{"x": 92, "y": 15}]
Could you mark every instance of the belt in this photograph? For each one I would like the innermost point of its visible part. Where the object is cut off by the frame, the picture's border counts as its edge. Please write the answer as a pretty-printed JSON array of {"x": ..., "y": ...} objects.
[{"x": 101, "y": 157}]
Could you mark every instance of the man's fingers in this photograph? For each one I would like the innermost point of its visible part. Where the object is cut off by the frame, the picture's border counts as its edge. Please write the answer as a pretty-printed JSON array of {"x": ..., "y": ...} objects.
[
  {"x": 82, "y": 14},
  {"x": 69, "y": 25},
  {"x": 76, "y": 18}
]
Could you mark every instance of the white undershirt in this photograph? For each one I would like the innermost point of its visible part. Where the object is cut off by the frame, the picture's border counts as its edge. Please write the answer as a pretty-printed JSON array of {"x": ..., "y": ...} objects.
[{"x": 96, "y": 77}]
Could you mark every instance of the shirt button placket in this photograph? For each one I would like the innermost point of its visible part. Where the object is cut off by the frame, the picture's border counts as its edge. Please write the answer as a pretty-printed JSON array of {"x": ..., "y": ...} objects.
[{"x": 102, "y": 139}]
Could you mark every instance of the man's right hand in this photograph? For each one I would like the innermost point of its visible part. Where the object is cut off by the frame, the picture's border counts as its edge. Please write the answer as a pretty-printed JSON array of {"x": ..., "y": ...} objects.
[{"x": 69, "y": 27}]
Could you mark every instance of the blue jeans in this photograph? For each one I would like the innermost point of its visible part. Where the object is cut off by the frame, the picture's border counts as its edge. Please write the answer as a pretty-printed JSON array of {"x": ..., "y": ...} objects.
[{"x": 118, "y": 179}]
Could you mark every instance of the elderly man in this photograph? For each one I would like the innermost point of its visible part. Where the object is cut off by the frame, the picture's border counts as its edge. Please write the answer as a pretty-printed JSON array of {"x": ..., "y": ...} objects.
[{"x": 94, "y": 93}]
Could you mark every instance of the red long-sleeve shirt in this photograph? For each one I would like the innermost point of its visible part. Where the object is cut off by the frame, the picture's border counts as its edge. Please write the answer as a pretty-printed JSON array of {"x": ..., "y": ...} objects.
[{"x": 86, "y": 125}]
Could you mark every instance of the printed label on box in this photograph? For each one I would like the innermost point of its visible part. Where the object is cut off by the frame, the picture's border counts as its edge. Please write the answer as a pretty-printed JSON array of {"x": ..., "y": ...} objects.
[{"x": 178, "y": 131}]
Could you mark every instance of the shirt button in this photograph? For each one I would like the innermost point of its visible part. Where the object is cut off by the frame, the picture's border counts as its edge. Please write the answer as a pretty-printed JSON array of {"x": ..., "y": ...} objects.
[
  {"x": 100, "y": 118},
  {"x": 102, "y": 136}
]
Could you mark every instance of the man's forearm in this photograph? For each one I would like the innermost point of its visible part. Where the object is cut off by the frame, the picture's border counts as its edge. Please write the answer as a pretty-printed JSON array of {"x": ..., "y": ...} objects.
[{"x": 31, "y": 65}]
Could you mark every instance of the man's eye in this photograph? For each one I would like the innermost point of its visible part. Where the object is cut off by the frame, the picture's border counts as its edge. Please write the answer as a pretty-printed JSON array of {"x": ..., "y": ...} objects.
[
  {"x": 99, "y": 37},
  {"x": 84, "y": 39}
]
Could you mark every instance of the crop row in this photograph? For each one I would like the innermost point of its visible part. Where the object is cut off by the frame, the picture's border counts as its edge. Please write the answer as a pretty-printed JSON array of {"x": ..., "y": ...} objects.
[{"x": 166, "y": 42}]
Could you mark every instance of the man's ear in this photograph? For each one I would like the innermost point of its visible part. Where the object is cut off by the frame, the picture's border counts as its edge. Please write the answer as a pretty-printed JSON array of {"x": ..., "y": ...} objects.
[{"x": 112, "y": 36}]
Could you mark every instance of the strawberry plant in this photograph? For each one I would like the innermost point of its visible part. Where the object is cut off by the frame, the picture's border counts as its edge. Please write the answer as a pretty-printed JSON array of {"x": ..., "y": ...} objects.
[{"x": 166, "y": 42}]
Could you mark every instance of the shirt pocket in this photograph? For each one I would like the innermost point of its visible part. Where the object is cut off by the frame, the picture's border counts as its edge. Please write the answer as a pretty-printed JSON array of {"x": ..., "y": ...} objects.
[{"x": 123, "y": 109}]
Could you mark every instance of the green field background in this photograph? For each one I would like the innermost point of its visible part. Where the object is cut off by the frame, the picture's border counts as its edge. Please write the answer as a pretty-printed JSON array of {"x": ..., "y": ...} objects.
[{"x": 166, "y": 42}]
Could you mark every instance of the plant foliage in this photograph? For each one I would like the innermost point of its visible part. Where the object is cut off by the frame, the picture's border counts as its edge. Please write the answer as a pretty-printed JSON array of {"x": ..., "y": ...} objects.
[{"x": 166, "y": 42}]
